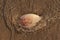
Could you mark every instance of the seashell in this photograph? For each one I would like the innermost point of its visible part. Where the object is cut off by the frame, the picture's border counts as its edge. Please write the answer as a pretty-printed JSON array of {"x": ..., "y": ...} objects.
[{"x": 29, "y": 20}]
